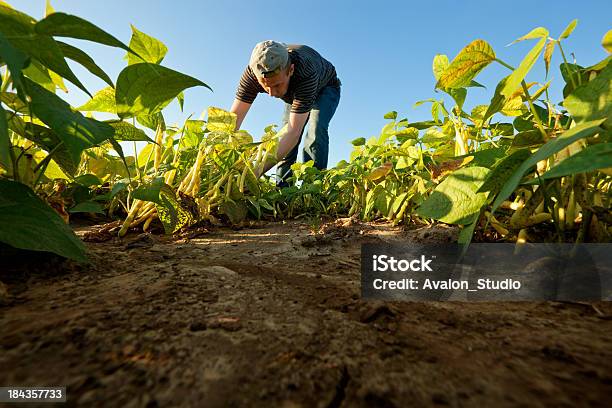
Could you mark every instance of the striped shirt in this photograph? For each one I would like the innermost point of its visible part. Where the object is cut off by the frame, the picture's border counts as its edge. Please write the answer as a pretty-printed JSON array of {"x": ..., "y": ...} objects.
[{"x": 311, "y": 74}]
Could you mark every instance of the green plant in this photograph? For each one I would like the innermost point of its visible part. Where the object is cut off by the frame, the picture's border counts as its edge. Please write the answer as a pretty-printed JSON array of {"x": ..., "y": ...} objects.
[{"x": 43, "y": 138}]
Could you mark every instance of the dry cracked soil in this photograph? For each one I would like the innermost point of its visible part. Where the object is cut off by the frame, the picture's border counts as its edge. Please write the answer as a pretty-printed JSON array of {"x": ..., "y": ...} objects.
[{"x": 273, "y": 316}]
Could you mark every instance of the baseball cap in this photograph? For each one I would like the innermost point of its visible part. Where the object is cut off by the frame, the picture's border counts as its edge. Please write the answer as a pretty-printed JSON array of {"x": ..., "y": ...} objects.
[{"x": 268, "y": 58}]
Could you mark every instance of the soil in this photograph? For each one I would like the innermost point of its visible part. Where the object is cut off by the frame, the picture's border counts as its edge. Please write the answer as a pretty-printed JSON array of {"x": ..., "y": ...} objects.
[{"x": 272, "y": 315}]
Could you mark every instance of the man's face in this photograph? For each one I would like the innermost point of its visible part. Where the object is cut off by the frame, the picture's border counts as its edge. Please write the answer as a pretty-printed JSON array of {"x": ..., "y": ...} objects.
[{"x": 278, "y": 84}]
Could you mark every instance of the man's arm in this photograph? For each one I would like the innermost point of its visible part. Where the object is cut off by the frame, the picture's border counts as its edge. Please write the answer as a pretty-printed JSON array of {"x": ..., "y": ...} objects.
[
  {"x": 240, "y": 108},
  {"x": 288, "y": 140}
]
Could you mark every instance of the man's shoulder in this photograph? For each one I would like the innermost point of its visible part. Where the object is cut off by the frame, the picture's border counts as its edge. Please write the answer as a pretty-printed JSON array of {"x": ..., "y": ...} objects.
[
  {"x": 301, "y": 50},
  {"x": 306, "y": 58},
  {"x": 299, "y": 47}
]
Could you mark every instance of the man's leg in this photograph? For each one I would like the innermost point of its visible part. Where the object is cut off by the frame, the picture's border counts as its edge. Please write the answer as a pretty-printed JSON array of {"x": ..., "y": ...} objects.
[
  {"x": 316, "y": 143},
  {"x": 283, "y": 167}
]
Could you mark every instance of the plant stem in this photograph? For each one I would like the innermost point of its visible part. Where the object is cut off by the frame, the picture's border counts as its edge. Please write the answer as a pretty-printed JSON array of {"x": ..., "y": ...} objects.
[
  {"x": 536, "y": 117},
  {"x": 566, "y": 64},
  {"x": 137, "y": 164},
  {"x": 510, "y": 67},
  {"x": 529, "y": 101}
]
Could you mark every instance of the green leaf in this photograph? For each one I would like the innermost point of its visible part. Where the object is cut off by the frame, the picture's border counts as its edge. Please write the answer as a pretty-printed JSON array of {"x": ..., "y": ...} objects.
[
  {"x": 456, "y": 200},
  {"x": 14, "y": 59},
  {"x": 39, "y": 74},
  {"x": 220, "y": 120},
  {"x": 195, "y": 126},
  {"x": 600, "y": 65},
  {"x": 58, "y": 81},
  {"x": 404, "y": 162},
  {"x": 87, "y": 207},
  {"x": 18, "y": 29},
  {"x": 435, "y": 136},
  {"x": 440, "y": 63},
  {"x": 514, "y": 106},
  {"x": 265, "y": 204},
  {"x": 169, "y": 210},
  {"x": 466, "y": 65},
  {"x": 391, "y": 115},
  {"x": 422, "y": 125},
  {"x": 76, "y": 131},
  {"x": 568, "y": 137},
  {"x": 85, "y": 60},
  {"x": 150, "y": 49},
  {"x": 145, "y": 88},
  {"x": 88, "y": 180},
  {"x": 172, "y": 215},
  {"x": 117, "y": 188},
  {"x": 519, "y": 74},
  {"x": 235, "y": 211},
  {"x": 54, "y": 171},
  {"x": 145, "y": 155},
  {"x": 252, "y": 184},
  {"x": 458, "y": 95},
  {"x": 592, "y": 100},
  {"x": 66, "y": 25},
  {"x": 405, "y": 134},
  {"x": 589, "y": 159},
  {"x": 568, "y": 30},
  {"x": 387, "y": 131},
  {"x": 528, "y": 138},
  {"x": 488, "y": 157},
  {"x": 474, "y": 84},
  {"x": 380, "y": 172},
  {"x": 371, "y": 200},
  {"x": 152, "y": 121},
  {"x": 606, "y": 41},
  {"x": 478, "y": 113},
  {"x": 13, "y": 101},
  {"x": 504, "y": 169},
  {"x": 539, "y": 32},
  {"x": 502, "y": 129},
  {"x": 127, "y": 131},
  {"x": 360, "y": 141},
  {"x": 119, "y": 151},
  {"x": 49, "y": 141},
  {"x": 569, "y": 71},
  {"x": 523, "y": 124},
  {"x": 497, "y": 101},
  {"x": 102, "y": 101},
  {"x": 28, "y": 223},
  {"x": 383, "y": 201},
  {"x": 151, "y": 191},
  {"x": 435, "y": 111},
  {"x": 467, "y": 233}
]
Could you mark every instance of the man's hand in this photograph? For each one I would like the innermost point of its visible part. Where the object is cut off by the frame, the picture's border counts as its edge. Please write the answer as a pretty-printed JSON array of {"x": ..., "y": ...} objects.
[
  {"x": 288, "y": 139},
  {"x": 292, "y": 136}
]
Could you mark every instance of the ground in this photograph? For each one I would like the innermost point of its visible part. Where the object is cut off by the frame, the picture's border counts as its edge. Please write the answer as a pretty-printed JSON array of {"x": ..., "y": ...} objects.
[{"x": 271, "y": 315}]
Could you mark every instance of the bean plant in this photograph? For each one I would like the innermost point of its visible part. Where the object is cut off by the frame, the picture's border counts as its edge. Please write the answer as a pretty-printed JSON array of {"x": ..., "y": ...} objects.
[{"x": 523, "y": 167}]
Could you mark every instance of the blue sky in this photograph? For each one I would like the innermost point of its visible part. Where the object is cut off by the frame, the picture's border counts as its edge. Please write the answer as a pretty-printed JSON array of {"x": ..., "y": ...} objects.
[{"x": 382, "y": 51}]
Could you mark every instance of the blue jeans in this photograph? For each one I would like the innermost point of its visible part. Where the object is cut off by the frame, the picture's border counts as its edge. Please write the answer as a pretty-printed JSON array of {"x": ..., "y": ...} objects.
[{"x": 316, "y": 143}]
